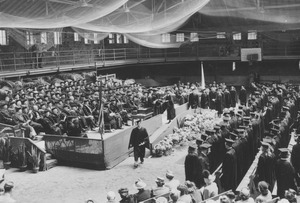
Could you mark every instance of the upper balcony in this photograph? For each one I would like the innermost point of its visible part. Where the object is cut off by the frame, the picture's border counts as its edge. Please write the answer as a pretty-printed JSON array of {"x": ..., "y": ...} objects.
[{"x": 27, "y": 63}]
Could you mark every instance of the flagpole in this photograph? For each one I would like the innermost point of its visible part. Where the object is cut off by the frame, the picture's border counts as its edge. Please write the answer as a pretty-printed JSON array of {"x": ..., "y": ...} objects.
[{"x": 202, "y": 76}]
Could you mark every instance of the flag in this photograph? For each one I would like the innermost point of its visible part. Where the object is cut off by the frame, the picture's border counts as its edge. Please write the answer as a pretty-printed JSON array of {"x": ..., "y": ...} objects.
[
  {"x": 101, "y": 115},
  {"x": 202, "y": 77}
]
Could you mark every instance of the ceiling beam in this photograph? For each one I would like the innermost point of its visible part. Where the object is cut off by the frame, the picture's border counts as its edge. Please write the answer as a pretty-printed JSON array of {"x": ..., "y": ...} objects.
[{"x": 209, "y": 10}]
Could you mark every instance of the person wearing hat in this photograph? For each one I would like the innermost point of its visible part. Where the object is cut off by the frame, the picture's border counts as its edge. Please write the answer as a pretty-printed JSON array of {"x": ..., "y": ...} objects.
[
  {"x": 6, "y": 197},
  {"x": 111, "y": 197},
  {"x": 265, "y": 194},
  {"x": 266, "y": 165},
  {"x": 160, "y": 188},
  {"x": 229, "y": 168},
  {"x": 210, "y": 189},
  {"x": 203, "y": 152},
  {"x": 285, "y": 173},
  {"x": 19, "y": 119},
  {"x": 126, "y": 197},
  {"x": 245, "y": 196},
  {"x": 204, "y": 99},
  {"x": 142, "y": 194},
  {"x": 192, "y": 165},
  {"x": 184, "y": 194},
  {"x": 172, "y": 183},
  {"x": 139, "y": 140},
  {"x": 295, "y": 159},
  {"x": 193, "y": 191},
  {"x": 193, "y": 100}
]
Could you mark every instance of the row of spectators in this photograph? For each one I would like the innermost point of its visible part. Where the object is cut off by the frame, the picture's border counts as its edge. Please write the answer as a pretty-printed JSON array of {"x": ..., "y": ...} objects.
[
  {"x": 235, "y": 142},
  {"x": 72, "y": 107}
]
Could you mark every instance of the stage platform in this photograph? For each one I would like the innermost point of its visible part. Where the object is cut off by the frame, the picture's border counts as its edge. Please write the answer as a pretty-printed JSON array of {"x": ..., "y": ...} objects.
[
  {"x": 98, "y": 153},
  {"x": 113, "y": 149}
]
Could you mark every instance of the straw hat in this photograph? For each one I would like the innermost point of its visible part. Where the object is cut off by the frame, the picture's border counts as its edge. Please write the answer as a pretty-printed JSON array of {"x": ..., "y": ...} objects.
[
  {"x": 169, "y": 174},
  {"x": 139, "y": 184}
]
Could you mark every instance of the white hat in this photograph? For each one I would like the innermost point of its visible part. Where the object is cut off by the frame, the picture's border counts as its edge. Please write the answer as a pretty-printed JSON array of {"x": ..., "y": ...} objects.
[
  {"x": 160, "y": 179},
  {"x": 111, "y": 195},
  {"x": 139, "y": 184},
  {"x": 169, "y": 173}
]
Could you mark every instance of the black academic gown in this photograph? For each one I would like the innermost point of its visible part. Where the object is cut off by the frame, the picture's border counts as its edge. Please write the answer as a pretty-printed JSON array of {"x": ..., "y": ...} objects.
[
  {"x": 204, "y": 101},
  {"x": 295, "y": 160},
  {"x": 229, "y": 178},
  {"x": 193, "y": 169},
  {"x": 285, "y": 176},
  {"x": 266, "y": 169},
  {"x": 193, "y": 101},
  {"x": 243, "y": 97}
]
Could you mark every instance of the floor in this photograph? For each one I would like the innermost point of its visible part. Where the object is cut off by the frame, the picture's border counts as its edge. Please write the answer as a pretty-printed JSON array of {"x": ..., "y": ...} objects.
[{"x": 69, "y": 184}]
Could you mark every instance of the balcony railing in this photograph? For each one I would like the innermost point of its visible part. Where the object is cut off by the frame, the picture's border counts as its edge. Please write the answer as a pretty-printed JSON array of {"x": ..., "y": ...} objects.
[{"x": 14, "y": 61}]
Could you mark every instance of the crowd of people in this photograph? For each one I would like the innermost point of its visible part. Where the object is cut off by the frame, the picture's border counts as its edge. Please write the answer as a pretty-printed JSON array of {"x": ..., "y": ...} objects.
[
  {"x": 262, "y": 119},
  {"x": 260, "y": 123},
  {"x": 263, "y": 123}
]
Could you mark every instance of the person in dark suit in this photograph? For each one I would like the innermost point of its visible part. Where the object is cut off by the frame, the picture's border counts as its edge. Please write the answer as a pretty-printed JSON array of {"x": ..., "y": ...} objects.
[
  {"x": 193, "y": 99},
  {"x": 233, "y": 96},
  {"x": 295, "y": 159},
  {"x": 285, "y": 173},
  {"x": 229, "y": 178},
  {"x": 204, "y": 103},
  {"x": 266, "y": 165},
  {"x": 193, "y": 171},
  {"x": 143, "y": 193},
  {"x": 170, "y": 106},
  {"x": 227, "y": 98},
  {"x": 126, "y": 197},
  {"x": 212, "y": 98},
  {"x": 139, "y": 140},
  {"x": 204, "y": 162}
]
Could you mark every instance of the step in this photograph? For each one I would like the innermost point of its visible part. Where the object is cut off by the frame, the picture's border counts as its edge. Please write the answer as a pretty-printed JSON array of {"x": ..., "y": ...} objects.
[
  {"x": 48, "y": 156},
  {"x": 51, "y": 163}
]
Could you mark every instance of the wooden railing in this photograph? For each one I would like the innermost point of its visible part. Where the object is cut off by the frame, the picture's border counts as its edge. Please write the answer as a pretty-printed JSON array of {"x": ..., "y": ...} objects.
[
  {"x": 153, "y": 199},
  {"x": 76, "y": 150},
  {"x": 16, "y": 142},
  {"x": 15, "y": 131}
]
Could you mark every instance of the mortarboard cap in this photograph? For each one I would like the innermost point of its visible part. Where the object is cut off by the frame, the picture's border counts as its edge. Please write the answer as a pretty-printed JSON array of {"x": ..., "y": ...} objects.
[
  {"x": 205, "y": 146},
  {"x": 233, "y": 135},
  {"x": 286, "y": 108},
  {"x": 229, "y": 141},
  {"x": 216, "y": 127},
  {"x": 284, "y": 152},
  {"x": 265, "y": 145}
]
